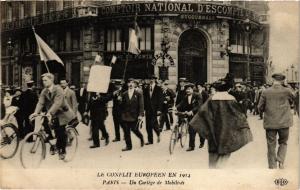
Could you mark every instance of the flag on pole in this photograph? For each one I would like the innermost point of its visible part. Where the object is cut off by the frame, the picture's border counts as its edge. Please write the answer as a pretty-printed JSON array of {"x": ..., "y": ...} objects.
[
  {"x": 133, "y": 43},
  {"x": 98, "y": 59},
  {"x": 137, "y": 28},
  {"x": 113, "y": 59},
  {"x": 46, "y": 53},
  {"x": 134, "y": 35}
]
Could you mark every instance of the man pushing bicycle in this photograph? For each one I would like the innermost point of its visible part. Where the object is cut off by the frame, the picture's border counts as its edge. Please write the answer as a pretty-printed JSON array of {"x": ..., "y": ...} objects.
[
  {"x": 57, "y": 110},
  {"x": 190, "y": 104}
]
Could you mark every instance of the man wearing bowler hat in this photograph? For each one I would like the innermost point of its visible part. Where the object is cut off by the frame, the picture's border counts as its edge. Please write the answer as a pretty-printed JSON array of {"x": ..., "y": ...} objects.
[
  {"x": 153, "y": 99},
  {"x": 276, "y": 102}
]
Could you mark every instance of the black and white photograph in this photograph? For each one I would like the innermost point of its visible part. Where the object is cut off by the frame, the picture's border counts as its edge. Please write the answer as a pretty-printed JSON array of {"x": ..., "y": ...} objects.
[{"x": 198, "y": 94}]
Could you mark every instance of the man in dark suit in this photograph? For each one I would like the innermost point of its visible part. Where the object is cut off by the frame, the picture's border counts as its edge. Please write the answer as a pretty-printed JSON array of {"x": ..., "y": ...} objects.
[
  {"x": 52, "y": 100},
  {"x": 132, "y": 113},
  {"x": 201, "y": 90},
  {"x": 204, "y": 94},
  {"x": 98, "y": 113},
  {"x": 153, "y": 100},
  {"x": 82, "y": 98},
  {"x": 240, "y": 96},
  {"x": 190, "y": 104},
  {"x": 168, "y": 103},
  {"x": 180, "y": 90},
  {"x": 17, "y": 101},
  {"x": 116, "y": 110},
  {"x": 29, "y": 101},
  {"x": 276, "y": 103}
]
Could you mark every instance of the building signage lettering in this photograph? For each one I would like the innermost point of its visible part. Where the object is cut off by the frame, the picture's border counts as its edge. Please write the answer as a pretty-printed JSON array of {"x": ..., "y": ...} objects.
[{"x": 179, "y": 8}]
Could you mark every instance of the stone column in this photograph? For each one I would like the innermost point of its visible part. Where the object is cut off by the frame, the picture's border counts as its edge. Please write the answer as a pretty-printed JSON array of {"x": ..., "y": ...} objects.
[
  {"x": 90, "y": 50},
  {"x": 220, "y": 62}
]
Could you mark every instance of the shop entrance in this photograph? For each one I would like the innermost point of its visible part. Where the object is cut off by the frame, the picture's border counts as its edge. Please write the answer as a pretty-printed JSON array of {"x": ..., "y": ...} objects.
[{"x": 192, "y": 56}]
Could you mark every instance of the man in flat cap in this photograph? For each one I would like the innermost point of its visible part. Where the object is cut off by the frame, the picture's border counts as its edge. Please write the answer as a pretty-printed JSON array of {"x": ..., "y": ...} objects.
[
  {"x": 190, "y": 103},
  {"x": 276, "y": 102}
]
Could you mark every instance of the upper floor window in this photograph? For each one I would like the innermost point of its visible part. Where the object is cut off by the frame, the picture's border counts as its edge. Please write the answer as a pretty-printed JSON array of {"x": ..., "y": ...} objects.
[
  {"x": 115, "y": 40},
  {"x": 39, "y": 7},
  {"x": 118, "y": 39},
  {"x": 145, "y": 39},
  {"x": 75, "y": 36},
  {"x": 67, "y": 4},
  {"x": 9, "y": 12},
  {"x": 21, "y": 11},
  {"x": 61, "y": 35}
]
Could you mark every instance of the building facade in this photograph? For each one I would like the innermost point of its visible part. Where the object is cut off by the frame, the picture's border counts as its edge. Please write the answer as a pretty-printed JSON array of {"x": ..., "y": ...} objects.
[{"x": 202, "y": 40}]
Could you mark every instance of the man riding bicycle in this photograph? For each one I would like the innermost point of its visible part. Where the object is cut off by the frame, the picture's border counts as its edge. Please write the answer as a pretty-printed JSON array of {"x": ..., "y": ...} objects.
[{"x": 58, "y": 112}]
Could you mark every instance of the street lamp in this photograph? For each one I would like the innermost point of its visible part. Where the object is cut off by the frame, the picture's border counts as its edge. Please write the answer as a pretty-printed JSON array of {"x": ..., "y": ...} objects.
[
  {"x": 247, "y": 28},
  {"x": 10, "y": 66},
  {"x": 163, "y": 69},
  {"x": 292, "y": 67},
  {"x": 287, "y": 74}
]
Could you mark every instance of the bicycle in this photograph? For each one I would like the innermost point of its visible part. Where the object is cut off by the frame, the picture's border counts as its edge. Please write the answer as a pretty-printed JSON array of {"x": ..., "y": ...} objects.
[
  {"x": 179, "y": 132},
  {"x": 34, "y": 144},
  {"x": 9, "y": 135}
]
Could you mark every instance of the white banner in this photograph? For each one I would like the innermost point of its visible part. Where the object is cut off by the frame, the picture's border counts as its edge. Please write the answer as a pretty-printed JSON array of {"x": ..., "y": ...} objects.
[{"x": 99, "y": 78}]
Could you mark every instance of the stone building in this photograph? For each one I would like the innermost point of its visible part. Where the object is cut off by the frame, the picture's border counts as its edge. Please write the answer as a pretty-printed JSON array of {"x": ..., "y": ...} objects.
[{"x": 203, "y": 40}]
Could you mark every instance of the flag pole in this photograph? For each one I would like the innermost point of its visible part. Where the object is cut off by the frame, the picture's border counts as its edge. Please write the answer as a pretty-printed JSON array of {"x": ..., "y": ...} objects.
[
  {"x": 39, "y": 47},
  {"x": 124, "y": 73},
  {"x": 47, "y": 67}
]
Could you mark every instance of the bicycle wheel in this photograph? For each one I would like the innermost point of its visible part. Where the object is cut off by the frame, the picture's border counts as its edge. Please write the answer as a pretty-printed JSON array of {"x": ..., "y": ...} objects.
[
  {"x": 33, "y": 150},
  {"x": 173, "y": 139},
  {"x": 9, "y": 141},
  {"x": 183, "y": 133},
  {"x": 72, "y": 144}
]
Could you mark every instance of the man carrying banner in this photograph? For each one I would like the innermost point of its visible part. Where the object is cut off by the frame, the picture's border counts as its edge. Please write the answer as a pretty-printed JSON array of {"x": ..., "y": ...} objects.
[{"x": 97, "y": 108}]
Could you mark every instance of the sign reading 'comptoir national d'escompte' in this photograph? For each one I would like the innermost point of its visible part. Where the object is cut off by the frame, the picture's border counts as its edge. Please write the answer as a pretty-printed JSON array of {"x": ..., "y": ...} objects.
[{"x": 178, "y": 8}]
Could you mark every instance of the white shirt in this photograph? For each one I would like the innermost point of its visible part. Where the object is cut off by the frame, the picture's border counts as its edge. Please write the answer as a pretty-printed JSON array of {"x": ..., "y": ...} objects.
[
  {"x": 130, "y": 93},
  {"x": 51, "y": 88},
  {"x": 7, "y": 101},
  {"x": 81, "y": 91},
  {"x": 65, "y": 90},
  {"x": 151, "y": 89},
  {"x": 189, "y": 99}
]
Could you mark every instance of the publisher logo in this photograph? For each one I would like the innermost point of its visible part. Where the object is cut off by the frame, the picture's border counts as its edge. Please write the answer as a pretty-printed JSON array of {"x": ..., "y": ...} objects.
[{"x": 281, "y": 182}]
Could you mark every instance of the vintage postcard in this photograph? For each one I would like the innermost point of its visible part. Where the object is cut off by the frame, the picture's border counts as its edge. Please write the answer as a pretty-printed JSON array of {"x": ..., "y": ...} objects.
[{"x": 149, "y": 94}]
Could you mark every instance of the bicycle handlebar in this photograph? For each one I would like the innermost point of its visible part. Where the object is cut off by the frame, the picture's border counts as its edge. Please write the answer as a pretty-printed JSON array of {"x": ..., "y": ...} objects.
[{"x": 178, "y": 113}]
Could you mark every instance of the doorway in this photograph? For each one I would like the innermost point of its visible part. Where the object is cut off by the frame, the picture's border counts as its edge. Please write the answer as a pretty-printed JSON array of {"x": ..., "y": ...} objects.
[{"x": 192, "y": 56}]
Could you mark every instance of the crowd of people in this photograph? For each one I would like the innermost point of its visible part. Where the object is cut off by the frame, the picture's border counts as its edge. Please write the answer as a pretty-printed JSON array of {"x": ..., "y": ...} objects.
[{"x": 133, "y": 100}]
